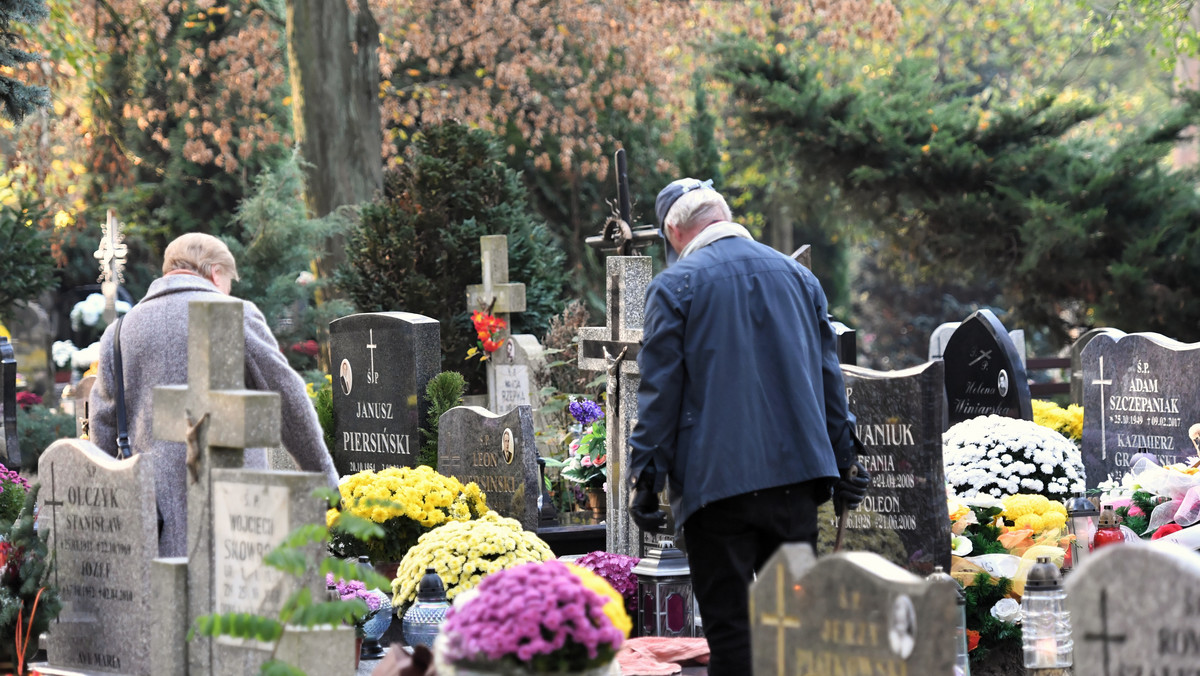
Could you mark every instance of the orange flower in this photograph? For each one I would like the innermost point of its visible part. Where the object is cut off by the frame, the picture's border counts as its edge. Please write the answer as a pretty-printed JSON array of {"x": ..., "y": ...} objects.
[{"x": 972, "y": 639}]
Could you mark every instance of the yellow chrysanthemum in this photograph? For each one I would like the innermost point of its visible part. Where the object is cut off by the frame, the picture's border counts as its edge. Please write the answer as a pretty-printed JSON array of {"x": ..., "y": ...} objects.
[
  {"x": 1016, "y": 506},
  {"x": 1052, "y": 520},
  {"x": 614, "y": 608},
  {"x": 1032, "y": 522}
]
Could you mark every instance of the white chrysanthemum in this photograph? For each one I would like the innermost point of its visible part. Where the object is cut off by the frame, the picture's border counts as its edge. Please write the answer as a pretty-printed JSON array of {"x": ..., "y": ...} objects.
[{"x": 999, "y": 456}]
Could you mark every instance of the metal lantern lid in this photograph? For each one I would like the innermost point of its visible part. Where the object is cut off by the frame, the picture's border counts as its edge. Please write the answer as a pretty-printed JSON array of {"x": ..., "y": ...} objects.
[
  {"x": 1108, "y": 518},
  {"x": 1043, "y": 576},
  {"x": 940, "y": 574},
  {"x": 1081, "y": 506},
  {"x": 662, "y": 562},
  {"x": 430, "y": 589}
]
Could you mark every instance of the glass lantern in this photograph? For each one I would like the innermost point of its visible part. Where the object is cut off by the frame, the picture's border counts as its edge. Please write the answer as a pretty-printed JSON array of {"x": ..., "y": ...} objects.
[
  {"x": 1046, "y": 622},
  {"x": 962, "y": 661},
  {"x": 423, "y": 619},
  {"x": 1082, "y": 516},
  {"x": 665, "y": 598}
]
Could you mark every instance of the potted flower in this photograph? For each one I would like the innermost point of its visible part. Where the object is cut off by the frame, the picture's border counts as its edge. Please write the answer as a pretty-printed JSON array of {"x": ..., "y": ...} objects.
[
  {"x": 587, "y": 456},
  {"x": 462, "y": 553},
  {"x": 536, "y": 618},
  {"x": 349, "y": 590},
  {"x": 997, "y": 456},
  {"x": 617, "y": 570},
  {"x": 407, "y": 502}
]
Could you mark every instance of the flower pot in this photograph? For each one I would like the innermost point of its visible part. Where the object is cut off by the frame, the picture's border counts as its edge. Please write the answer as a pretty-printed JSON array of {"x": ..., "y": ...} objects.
[
  {"x": 386, "y": 568},
  {"x": 597, "y": 501}
]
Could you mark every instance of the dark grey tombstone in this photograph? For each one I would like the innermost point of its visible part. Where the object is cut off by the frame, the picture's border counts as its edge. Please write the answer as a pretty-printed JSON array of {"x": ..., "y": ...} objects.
[
  {"x": 382, "y": 362},
  {"x": 849, "y": 613},
  {"x": 10, "y": 452},
  {"x": 941, "y": 335},
  {"x": 1140, "y": 393},
  {"x": 984, "y": 372},
  {"x": 498, "y": 453},
  {"x": 1135, "y": 609},
  {"x": 99, "y": 515},
  {"x": 1077, "y": 359},
  {"x": 904, "y": 516}
]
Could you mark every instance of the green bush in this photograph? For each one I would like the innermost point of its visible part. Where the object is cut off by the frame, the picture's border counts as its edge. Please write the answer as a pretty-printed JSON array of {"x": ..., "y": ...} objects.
[
  {"x": 27, "y": 266},
  {"x": 37, "y": 428},
  {"x": 416, "y": 249},
  {"x": 444, "y": 392}
]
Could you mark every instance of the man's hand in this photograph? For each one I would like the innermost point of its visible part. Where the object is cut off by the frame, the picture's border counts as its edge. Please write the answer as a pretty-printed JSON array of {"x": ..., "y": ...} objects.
[
  {"x": 643, "y": 503},
  {"x": 849, "y": 491}
]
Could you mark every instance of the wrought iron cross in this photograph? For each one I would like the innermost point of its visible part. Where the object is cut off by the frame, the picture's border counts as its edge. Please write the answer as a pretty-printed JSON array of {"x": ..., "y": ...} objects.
[{"x": 618, "y": 233}]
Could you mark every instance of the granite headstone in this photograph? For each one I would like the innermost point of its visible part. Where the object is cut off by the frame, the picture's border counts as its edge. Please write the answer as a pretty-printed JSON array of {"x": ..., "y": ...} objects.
[
  {"x": 984, "y": 373},
  {"x": 100, "y": 515},
  {"x": 941, "y": 336},
  {"x": 904, "y": 517},
  {"x": 1140, "y": 393},
  {"x": 498, "y": 453},
  {"x": 10, "y": 449},
  {"x": 1135, "y": 609},
  {"x": 1077, "y": 359},
  {"x": 382, "y": 362},
  {"x": 849, "y": 613}
]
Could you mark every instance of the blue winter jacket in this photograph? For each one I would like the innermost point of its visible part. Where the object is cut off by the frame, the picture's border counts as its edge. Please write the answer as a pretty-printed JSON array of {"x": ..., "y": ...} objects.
[{"x": 741, "y": 388}]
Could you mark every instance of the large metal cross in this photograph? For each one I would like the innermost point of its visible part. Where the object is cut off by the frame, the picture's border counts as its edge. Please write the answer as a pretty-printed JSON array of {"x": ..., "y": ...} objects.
[
  {"x": 111, "y": 255},
  {"x": 618, "y": 233},
  {"x": 222, "y": 418}
]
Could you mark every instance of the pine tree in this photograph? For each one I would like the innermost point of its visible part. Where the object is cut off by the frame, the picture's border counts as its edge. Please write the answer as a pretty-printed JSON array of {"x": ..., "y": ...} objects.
[{"x": 18, "y": 100}]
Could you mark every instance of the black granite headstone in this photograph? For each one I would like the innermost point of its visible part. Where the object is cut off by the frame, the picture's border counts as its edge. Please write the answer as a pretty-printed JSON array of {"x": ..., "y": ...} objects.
[
  {"x": 382, "y": 362},
  {"x": 984, "y": 372},
  {"x": 904, "y": 516},
  {"x": 498, "y": 453},
  {"x": 1140, "y": 393},
  {"x": 1077, "y": 359},
  {"x": 10, "y": 453}
]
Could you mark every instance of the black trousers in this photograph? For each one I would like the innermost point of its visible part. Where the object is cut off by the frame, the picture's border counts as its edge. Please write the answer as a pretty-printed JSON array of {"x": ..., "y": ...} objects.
[{"x": 727, "y": 541}]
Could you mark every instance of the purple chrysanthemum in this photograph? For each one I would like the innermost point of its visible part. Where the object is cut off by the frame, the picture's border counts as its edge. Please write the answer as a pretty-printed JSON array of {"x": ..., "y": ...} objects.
[
  {"x": 617, "y": 569},
  {"x": 585, "y": 412}
]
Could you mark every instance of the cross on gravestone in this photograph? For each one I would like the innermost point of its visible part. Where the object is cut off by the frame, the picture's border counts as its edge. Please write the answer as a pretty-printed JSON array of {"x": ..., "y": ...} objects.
[
  {"x": 1102, "y": 382},
  {"x": 11, "y": 451},
  {"x": 984, "y": 372},
  {"x": 614, "y": 348},
  {"x": 780, "y": 620},
  {"x": 228, "y": 419},
  {"x": 111, "y": 254},
  {"x": 1077, "y": 382},
  {"x": 1103, "y": 636},
  {"x": 499, "y": 297}
]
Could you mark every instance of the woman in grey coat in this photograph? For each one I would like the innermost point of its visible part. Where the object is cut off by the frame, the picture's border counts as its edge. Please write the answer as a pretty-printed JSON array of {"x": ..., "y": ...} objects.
[{"x": 154, "y": 352}]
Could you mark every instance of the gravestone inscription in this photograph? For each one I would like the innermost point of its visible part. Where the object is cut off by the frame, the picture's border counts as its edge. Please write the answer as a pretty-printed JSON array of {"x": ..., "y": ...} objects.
[
  {"x": 498, "y": 453},
  {"x": 99, "y": 513},
  {"x": 848, "y": 613},
  {"x": 984, "y": 373},
  {"x": 1144, "y": 621},
  {"x": 381, "y": 362},
  {"x": 904, "y": 517},
  {"x": 1140, "y": 393}
]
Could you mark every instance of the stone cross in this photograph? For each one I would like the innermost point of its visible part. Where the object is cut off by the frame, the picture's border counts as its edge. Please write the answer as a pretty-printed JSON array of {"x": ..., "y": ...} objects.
[
  {"x": 111, "y": 255},
  {"x": 498, "y": 294},
  {"x": 225, "y": 419},
  {"x": 10, "y": 452},
  {"x": 614, "y": 348}
]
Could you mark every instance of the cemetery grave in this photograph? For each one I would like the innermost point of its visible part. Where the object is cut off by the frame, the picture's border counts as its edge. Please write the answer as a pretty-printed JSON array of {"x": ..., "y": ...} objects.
[{"x": 985, "y": 374}]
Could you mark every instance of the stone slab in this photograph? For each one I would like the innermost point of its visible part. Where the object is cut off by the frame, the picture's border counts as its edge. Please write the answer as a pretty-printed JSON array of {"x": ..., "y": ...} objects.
[{"x": 497, "y": 452}]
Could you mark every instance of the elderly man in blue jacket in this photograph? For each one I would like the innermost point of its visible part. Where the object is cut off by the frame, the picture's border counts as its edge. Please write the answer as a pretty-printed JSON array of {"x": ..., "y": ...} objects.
[{"x": 741, "y": 408}]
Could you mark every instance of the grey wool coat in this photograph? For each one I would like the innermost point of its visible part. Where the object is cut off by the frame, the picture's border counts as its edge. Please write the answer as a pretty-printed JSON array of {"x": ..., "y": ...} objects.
[{"x": 154, "y": 352}]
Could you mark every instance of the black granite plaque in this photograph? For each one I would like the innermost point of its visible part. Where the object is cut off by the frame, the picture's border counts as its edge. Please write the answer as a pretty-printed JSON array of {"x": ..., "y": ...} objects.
[
  {"x": 904, "y": 516},
  {"x": 1141, "y": 393},
  {"x": 984, "y": 373},
  {"x": 382, "y": 362},
  {"x": 10, "y": 452},
  {"x": 498, "y": 453}
]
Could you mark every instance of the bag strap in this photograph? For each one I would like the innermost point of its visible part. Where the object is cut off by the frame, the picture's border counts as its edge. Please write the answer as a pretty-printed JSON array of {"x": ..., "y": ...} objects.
[{"x": 123, "y": 448}]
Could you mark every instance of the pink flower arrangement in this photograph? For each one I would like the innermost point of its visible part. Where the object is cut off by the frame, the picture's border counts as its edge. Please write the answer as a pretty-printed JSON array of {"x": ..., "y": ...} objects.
[
  {"x": 617, "y": 569},
  {"x": 26, "y": 399},
  {"x": 539, "y": 616}
]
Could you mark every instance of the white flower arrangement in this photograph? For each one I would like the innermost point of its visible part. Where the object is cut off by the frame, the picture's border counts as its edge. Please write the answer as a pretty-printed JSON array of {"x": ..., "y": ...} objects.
[
  {"x": 997, "y": 456},
  {"x": 89, "y": 310}
]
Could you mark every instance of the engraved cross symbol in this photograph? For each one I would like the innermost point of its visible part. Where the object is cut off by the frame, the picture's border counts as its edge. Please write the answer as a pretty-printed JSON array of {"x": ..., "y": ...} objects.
[
  {"x": 55, "y": 503},
  {"x": 1103, "y": 437},
  {"x": 983, "y": 355},
  {"x": 780, "y": 620},
  {"x": 372, "y": 376},
  {"x": 1104, "y": 637}
]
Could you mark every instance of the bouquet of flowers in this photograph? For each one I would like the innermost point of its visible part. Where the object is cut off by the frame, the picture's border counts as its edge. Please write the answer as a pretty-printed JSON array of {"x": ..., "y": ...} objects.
[
  {"x": 349, "y": 590},
  {"x": 998, "y": 456},
  {"x": 587, "y": 457},
  {"x": 13, "y": 489},
  {"x": 407, "y": 502},
  {"x": 1156, "y": 500},
  {"x": 463, "y": 552},
  {"x": 535, "y": 618},
  {"x": 617, "y": 570},
  {"x": 487, "y": 328}
]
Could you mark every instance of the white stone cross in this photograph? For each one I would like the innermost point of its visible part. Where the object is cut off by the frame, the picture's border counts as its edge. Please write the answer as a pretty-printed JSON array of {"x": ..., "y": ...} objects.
[
  {"x": 111, "y": 254},
  {"x": 509, "y": 297},
  {"x": 1103, "y": 437}
]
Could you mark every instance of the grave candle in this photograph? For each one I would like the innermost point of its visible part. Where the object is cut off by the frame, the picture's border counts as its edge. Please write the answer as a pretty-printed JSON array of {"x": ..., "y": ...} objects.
[
  {"x": 1046, "y": 627},
  {"x": 1081, "y": 524}
]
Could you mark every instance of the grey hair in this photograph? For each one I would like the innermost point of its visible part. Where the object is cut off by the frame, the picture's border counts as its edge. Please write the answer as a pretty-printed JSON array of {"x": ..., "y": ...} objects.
[
  {"x": 696, "y": 206},
  {"x": 197, "y": 252}
]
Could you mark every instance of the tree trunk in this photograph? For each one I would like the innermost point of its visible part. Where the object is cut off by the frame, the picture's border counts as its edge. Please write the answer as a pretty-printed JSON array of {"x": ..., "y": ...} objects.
[{"x": 334, "y": 64}]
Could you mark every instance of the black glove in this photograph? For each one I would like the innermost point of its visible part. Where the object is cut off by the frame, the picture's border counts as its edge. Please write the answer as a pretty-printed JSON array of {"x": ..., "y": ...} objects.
[
  {"x": 643, "y": 503},
  {"x": 849, "y": 491}
]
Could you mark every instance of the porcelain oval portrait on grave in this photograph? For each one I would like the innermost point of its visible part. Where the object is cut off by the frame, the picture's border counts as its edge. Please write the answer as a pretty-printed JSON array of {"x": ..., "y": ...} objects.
[
  {"x": 902, "y": 627},
  {"x": 346, "y": 375},
  {"x": 1002, "y": 383},
  {"x": 506, "y": 445}
]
